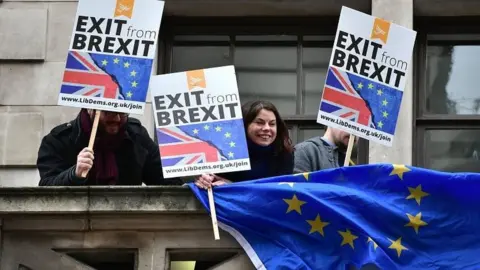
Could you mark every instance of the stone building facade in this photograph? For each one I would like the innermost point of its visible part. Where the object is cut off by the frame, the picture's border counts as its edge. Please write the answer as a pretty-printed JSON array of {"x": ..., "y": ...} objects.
[{"x": 44, "y": 228}]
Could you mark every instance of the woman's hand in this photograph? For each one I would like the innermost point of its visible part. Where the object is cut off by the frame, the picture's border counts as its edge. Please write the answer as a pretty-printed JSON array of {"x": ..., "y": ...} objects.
[
  {"x": 206, "y": 181},
  {"x": 218, "y": 181}
]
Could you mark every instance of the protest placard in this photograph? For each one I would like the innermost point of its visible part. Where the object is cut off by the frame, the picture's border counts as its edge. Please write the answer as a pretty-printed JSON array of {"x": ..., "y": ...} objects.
[
  {"x": 368, "y": 70},
  {"x": 111, "y": 54},
  {"x": 199, "y": 123}
]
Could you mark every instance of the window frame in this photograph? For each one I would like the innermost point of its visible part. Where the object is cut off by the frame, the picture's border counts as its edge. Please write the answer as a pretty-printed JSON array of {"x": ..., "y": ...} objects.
[
  {"x": 422, "y": 120},
  {"x": 232, "y": 27}
]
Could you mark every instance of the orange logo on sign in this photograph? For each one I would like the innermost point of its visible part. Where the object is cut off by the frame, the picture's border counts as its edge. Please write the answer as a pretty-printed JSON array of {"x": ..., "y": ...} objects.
[
  {"x": 196, "y": 78},
  {"x": 380, "y": 30},
  {"x": 124, "y": 8}
]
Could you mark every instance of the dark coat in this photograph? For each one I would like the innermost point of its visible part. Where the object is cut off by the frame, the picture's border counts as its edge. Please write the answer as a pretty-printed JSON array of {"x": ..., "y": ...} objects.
[
  {"x": 138, "y": 160},
  {"x": 263, "y": 163}
]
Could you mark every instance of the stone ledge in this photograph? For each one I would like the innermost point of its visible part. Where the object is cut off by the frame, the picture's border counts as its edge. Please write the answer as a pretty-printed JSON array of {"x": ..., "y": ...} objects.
[{"x": 99, "y": 200}]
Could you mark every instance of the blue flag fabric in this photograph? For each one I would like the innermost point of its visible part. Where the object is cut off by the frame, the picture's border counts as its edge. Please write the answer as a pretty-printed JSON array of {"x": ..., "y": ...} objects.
[
  {"x": 131, "y": 74},
  {"x": 383, "y": 102},
  {"x": 391, "y": 216}
]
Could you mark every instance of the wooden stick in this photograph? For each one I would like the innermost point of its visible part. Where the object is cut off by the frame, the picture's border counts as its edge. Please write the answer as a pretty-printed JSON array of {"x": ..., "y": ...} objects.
[
  {"x": 92, "y": 135},
  {"x": 213, "y": 213},
  {"x": 348, "y": 155}
]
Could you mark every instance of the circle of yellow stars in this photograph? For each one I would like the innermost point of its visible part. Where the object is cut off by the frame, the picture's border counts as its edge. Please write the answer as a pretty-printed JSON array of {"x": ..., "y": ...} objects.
[
  {"x": 318, "y": 225},
  {"x": 133, "y": 74},
  {"x": 371, "y": 87}
]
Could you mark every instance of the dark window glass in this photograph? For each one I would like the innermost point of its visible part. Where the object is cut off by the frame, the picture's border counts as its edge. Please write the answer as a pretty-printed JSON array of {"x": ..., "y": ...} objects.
[
  {"x": 197, "y": 57},
  {"x": 308, "y": 133},
  {"x": 202, "y": 38},
  {"x": 268, "y": 73},
  {"x": 315, "y": 65},
  {"x": 452, "y": 80},
  {"x": 266, "y": 38},
  {"x": 267, "y": 68},
  {"x": 453, "y": 150}
]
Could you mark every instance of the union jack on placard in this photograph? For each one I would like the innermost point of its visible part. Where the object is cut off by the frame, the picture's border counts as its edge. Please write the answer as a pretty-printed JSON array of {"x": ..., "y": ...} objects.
[
  {"x": 83, "y": 77},
  {"x": 341, "y": 99},
  {"x": 178, "y": 148}
]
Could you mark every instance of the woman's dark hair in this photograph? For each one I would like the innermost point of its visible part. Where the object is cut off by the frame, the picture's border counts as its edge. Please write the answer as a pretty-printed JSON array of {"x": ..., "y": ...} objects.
[{"x": 250, "y": 110}]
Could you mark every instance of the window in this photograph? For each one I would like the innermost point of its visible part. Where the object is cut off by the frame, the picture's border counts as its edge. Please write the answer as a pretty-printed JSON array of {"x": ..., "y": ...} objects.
[
  {"x": 448, "y": 102},
  {"x": 269, "y": 73},
  {"x": 288, "y": 69}
]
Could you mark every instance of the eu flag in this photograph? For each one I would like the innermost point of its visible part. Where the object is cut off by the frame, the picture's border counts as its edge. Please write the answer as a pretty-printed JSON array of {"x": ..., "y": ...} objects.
[
  {"x": 391, "y": 216},
  {"x": 131, "y": 74},
  {"x": 361, "y": 100},
  {"x": 227, "y": 136},
  {"x": 383, "y": 101}
]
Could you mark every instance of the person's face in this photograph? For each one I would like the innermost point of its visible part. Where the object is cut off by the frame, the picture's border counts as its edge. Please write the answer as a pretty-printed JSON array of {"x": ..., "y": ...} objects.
[
  {"x": 263, "y": 129},
  {"x": 111, "y": 122},
  {"x": 341, "y": 138}
]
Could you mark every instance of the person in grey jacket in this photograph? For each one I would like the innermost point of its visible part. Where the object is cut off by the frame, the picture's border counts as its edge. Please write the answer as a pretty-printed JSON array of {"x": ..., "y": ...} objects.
[{"x": 319, "y": 153}]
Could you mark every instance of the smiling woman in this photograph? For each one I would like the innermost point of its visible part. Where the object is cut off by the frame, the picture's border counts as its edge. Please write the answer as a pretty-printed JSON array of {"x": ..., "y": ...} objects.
[
  {"x": 265, "y": 127},
  {"x": 263, "y": 130},
  {"x": 269, "y": 146}
]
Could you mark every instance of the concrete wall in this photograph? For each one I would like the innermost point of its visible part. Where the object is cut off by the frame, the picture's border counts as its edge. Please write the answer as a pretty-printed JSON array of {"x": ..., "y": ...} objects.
[
  {"x": 43, "y": 229},
  {"x": 34, "y": 39},
  {"x": 399, "y": 12}
]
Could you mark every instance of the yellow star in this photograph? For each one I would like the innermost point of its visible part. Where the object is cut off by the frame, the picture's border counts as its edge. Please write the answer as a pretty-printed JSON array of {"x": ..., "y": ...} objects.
[
  {"x": 380, "y": 124},
  {"x": 304, "y": 175},
  {"x": 370, "y": 86},
  {"x": 385, "y": 114},
  {"x": 129, "y": 94},
  {"x": 104, "y": 62},
  {"x": 360, "y": 86},
  {"x": 379, "y": 92},
  {"x": 294, "y": 204},
  {"x": 115, "y": 61},
  {"x": 126, "y": 64},
  {"x": 348, "y": 237},
  {"x": 375, "y": 245},
  {"x": 384, "y": 102},
  {"x": 133, "y": 73},
  {"x": 417, "y": 193},
  {"x": 399, "y": 170},
  {"x": 134, "y": 84},
  {"x": 397, "y": 245},
  {"x": 317, "y": 225},
  {"x": 416, "y": 221}
]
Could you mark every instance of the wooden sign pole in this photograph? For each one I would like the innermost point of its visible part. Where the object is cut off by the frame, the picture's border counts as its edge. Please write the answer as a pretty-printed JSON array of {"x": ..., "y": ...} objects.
[
  {"x": 213, "y": 214},
  {"x": 93, "y": 134},
  {"x": 348, "y": 155}
]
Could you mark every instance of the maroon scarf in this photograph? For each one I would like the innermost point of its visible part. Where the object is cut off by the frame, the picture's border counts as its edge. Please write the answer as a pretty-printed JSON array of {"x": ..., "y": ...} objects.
[{"x": 104, "y": 170}]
